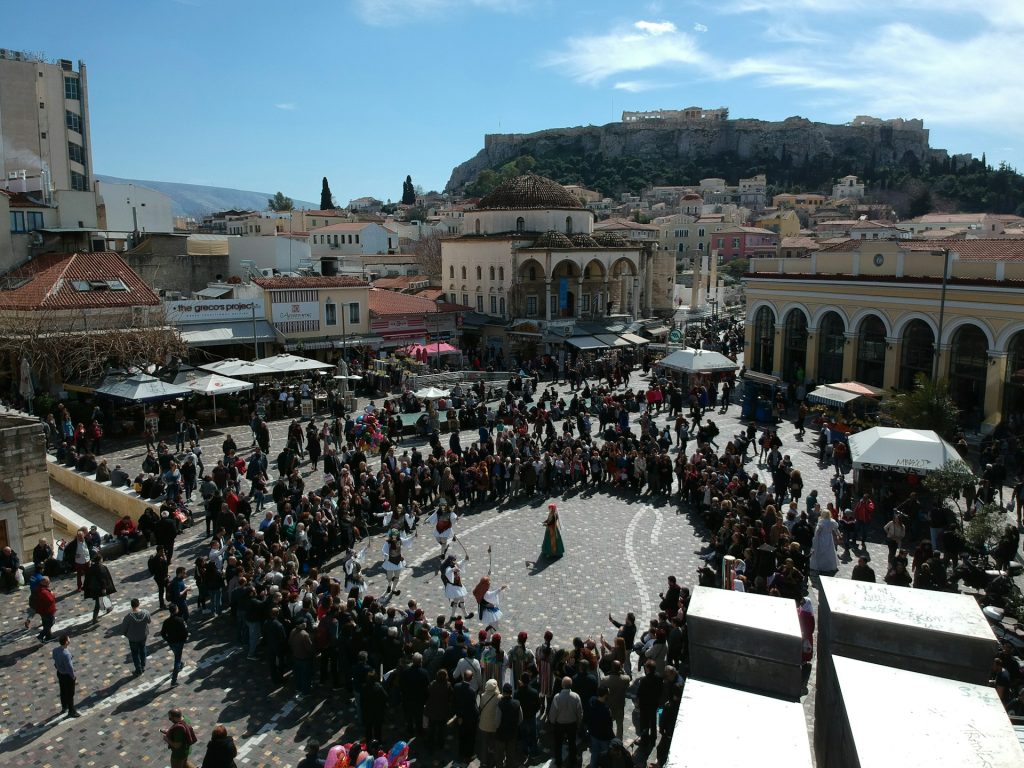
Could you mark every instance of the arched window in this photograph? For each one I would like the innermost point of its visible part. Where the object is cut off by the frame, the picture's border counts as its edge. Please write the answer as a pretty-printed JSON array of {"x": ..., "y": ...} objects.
[
  {"x": 968, "y": 367},
  {"x": 533, "y": 272},
  {"x": 871, "y": 351},
  {"x": 451, "y": 271},
  {"x": 479, "y": 272},
  {"x": 463, "y": 272},
  {"x": 918, "y": 352},
  {"x": 1013, "y": 394},
  {"x": 476, "y": 226},
  {"x": 568, "y": 225},
  {"x": 764, "y": 340},
  {"x": 520, "y": 224},
  {"x": 795, "y": 347},
  {"x": 492, "y": 273},
  {"x": 831, "y": 342},
  {"x": 501, "y": 273},
  {"x": 501, "y": 305}
]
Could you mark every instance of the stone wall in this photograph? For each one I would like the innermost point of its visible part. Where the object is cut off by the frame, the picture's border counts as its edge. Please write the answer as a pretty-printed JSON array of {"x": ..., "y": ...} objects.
[{"x": 24, "y": 483}]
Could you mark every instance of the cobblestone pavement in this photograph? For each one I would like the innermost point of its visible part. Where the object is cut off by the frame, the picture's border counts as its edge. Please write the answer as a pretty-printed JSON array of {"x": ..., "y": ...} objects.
[{"x": 619, "y": 550}]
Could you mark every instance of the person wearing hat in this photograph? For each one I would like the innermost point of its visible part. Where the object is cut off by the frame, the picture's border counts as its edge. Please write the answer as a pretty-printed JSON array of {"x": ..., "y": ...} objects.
[
  {"x": 864, "y": 572},
  {"x": 552, "y": 547},
  {"x": 520, "y": 658},
  {"x": 394, "y": 559}
]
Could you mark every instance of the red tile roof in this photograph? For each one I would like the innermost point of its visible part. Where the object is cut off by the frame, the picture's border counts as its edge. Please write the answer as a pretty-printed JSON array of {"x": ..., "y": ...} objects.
[
  {"x": 49, "y": 283},
  {"x": 402, "y": 281},
  {"x": 345, "y": 226},
  {"x": 384, "y": 302},
  {"x": 980, "y": 249},
  {"x": 282, "y": 282},
  {"x": 23, "y": 200}
]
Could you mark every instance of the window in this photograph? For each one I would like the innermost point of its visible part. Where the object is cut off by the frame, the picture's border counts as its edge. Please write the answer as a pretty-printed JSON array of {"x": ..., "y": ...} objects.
[
  {"x": 492, "y": 273},
  {"x": 476, "y": 226},
  {"x": 531, "y": 306},
  {"x": 585, "y": 302},
  {"x": 463, "y": 272},
  {"x": 72, "y": 121},
  {"x": 42, "y": 135},
  {"x": 75, "y": 152},
  {"x": 720, "y": 243},
  {"x": 465, "y": 299},
  {"x": 735, "y": 242},
  {"x": 479, "y": 303},
  {"x": 700, "y": 232},
  {"x": 494, "y": 305},
  {"x": 568, "y": 225},
  {"x": 554, "y": 305},
  {"x": 501, "y": 306},
  {"x": 357, "y": 239},
  {"x": 520, "y": 224},
  {"x": 18, "y": 221},
  {"x": 501, "y": 273},
  {"x": 353, "y": 312},
  {"x": 35, "y": 220},
  {"x": 451, "y": 271},
  {"x": 71, "y": 90},
  {"x": 479, "y": 272},
  {"x": 330, "y": 313},
  {"x": 700, "y": 247}
]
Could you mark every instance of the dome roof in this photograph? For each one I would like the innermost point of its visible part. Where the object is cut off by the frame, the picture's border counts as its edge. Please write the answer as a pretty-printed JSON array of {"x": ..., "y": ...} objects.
[
  {"x": 529, "y": 191},
  {"x": 583, "y": 240},
  {"x": 552, "y": 239},
  {"x": 610, "y": 239},
  {"x": 692, "y": 196}
]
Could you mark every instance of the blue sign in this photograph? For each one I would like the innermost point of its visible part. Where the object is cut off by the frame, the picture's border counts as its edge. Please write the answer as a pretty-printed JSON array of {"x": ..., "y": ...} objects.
[{"x": 563, "y": 293}]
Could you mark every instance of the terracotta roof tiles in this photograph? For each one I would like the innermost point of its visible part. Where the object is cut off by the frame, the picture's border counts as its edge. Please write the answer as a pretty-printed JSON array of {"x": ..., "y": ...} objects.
[
  {"x": 75, "y": 281},
  {"x": 282, "y": 282}
]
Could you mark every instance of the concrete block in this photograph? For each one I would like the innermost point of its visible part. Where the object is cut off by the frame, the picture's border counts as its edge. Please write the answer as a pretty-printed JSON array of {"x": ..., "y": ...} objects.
[
  {"x": 745, "y": 640},
  {"x": 936, "y": 722},
  {"x": 754, "y": 727}
]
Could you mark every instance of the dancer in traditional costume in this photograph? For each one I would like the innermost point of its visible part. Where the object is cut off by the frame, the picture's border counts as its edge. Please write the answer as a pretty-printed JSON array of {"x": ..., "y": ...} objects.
[
  {"x": 396, "y": 518},
  {"x": 354, "y": 573},
  {"x": 489, "y": 602},
  {"x": 552, "y": 548},
  {"x": 451, "y": 578},
  {"x": 442, "y": 523},
  {"x": 394, "y": 559}
]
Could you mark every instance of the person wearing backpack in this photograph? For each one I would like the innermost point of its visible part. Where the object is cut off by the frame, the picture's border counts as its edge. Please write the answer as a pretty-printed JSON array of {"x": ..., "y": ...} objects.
[{"x": 179, "y": 738}]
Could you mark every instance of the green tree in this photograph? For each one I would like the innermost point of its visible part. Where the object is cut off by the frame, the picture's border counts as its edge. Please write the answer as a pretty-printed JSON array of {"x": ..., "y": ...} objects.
[
  {"x": 947, "y": 484},
  {"x": 279, "y": 202},
  {"x": 326, "y": 198},
  {"x": 927, "y": 406},
  {"x": 408, "y": 192}
]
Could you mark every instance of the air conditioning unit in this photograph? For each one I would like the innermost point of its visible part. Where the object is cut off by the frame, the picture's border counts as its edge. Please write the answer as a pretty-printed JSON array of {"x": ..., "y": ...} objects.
[
  {"x": 3, "y": 53},
  {"x": 17, "y": 55}
]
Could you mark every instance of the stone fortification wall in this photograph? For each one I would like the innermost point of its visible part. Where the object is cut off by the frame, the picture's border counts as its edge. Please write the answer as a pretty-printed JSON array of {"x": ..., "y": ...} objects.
[{"x": 24, "y": 483}]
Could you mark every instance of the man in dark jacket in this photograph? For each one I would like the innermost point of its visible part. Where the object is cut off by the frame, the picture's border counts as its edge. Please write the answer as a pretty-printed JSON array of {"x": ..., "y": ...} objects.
[
  {"x": 276, "y": 638},
  {"x": 529, "y": 702},
  {"x": 413, "y": 683},
  {"x": 98, "y": 584},
  {"x": 510, "y": 717},
  {"x": 174, "y": 631},
  {"x": 648, "y": 699},
  {"x": 467, "y": 716},
  {"x": 166, "y": 533},
  {"x": 375, "y": 707},
  {"x": 601, "y": 727}
]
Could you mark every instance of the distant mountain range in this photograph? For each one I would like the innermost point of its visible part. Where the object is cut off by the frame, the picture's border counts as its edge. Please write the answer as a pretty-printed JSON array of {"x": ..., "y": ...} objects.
[{"x": 198, "y": 200}]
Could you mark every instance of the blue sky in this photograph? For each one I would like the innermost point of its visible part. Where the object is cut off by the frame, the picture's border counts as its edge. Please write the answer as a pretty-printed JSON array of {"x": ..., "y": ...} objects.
[{"x": 269, "y": 96}]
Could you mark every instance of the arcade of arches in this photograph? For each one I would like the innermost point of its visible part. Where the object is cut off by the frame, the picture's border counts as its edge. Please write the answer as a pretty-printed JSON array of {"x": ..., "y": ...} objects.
[
  {"x": 986, "y": 383},
  {"x": 580, "y": 286}
]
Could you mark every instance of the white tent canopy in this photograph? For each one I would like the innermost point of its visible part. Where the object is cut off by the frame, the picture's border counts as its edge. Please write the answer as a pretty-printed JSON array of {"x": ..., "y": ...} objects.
[
  {"x": 827, "y": 395},
  {"x": 431, "y": 393},
  {"x": 894, "y": 449},
  {"x": 142, "y": 388},
  {"x": 211, "y": 383},
  {"x": 233, "y": 368},
  {"x": 286, "y": 363},
  {"x": 690, "y": 360}
]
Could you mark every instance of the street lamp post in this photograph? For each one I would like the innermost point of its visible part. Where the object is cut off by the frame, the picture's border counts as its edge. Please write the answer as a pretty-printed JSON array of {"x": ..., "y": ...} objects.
[{"x": 942, "y": 313}]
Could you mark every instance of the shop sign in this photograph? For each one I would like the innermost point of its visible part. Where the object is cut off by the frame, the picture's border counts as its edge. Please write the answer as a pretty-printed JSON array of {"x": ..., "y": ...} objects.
[
  {"x": 297, "y": 311},
  {"x": 212, "y": 310}
]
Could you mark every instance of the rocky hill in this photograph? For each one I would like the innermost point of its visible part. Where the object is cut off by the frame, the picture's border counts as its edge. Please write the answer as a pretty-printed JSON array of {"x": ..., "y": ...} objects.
[
  {"x": 681, "y": 151},
  {"x": 198, "y": 200}
]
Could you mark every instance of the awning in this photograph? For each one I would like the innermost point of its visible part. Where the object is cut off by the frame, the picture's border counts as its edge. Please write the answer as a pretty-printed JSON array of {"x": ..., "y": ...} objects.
[
  {"x": 214, "y": 293},
  {"x": 689, "y": 360},
  {"x": 858, "y": 388},
  {"x": 586, "y": 342},
  {"x": 612, "y": 341},
  {"x": 293, "y": 346},
  {"x": 827, "y": 395},
  {"x": 894, "y": 449},
  {"x": 219, "y": 334},
  {"x": 358, "y": 341},
  {"x": 658, "y": 330},
  {"x": 762, "y": 378},
  {"x": 632, "y": 338}
]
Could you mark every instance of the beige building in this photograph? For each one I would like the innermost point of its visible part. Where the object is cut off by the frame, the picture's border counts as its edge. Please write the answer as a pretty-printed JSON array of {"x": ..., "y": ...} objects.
[
  {"x": 784, "y": 223},
  {"x": 798, "y": 202},
  {"x": 317, "y": 313},
  {"x": 877, "y": 312},
  {"x": 44, "y": 124}
]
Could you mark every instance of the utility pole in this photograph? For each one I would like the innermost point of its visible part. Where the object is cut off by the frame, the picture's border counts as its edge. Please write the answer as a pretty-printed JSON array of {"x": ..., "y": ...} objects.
[{"x": 942, "y": 313}]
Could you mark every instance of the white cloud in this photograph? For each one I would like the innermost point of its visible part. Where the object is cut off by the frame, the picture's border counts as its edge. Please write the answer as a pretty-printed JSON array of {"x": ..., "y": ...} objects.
[
  {"x": 287, "y": 106},
  {"x": 656, "y": 27},
  {"x": 387, "y": 12},
  {"x": 698, "y": 27},
  {"x": 962, "y": 75},
  {"x": 630, "y": 49}
]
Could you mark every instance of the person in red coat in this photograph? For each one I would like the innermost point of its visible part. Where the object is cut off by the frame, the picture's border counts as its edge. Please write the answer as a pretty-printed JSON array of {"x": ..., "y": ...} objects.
[
  {"x": 864, "y": 512},
  {"x": 45, "y": 604}
]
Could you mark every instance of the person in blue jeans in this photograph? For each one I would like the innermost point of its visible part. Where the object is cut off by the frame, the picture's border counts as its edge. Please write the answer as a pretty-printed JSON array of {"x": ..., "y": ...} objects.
[
  {"x": 174, "y": 631},
  {"x": 135, "y": 627},
  {"x": 177, "y": 592}
]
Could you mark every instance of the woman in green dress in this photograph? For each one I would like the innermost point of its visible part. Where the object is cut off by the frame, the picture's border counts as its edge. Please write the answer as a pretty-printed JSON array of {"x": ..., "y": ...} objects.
[{"x": 553, "y": 548}]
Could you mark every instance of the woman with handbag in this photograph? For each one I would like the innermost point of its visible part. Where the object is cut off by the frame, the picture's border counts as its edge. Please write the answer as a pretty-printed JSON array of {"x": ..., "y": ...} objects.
[{"x": 99, "y": 586}]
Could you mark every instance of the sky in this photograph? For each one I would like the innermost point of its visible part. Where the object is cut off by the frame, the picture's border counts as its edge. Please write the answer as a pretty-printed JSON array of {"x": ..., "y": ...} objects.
[{"x": 268, "y": 96}]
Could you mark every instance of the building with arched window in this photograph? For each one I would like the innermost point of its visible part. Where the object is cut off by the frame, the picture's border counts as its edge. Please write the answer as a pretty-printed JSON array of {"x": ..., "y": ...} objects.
[
  {"x": 533, "y": 252},
  {"x": 880, "y": 312}
]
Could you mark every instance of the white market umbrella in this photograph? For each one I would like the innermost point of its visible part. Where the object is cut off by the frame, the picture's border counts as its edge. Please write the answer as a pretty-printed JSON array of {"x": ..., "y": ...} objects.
[
  {"x": 142, "y": 388},
  {"x": 211, "y": 384},
  {"x": 895, "y": 449},
  {"x": 431, "y": 393},
  {"x": 286, "y": 363},
  {"x": 827, "y": 395},
  {"x": 689, "y": 360},
  {"x": 235, "y": 368}
]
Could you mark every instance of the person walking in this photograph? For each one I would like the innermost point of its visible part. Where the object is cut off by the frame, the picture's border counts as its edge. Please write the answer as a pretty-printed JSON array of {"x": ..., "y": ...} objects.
[
  {"x": 467, "y": 716},
  {"x": 174, "y": 631},
  {"x": 135, "y": 626},
  {"x": 601, "y": 733},
  {"x": 64, "y": 663},
  {"x": 99, "y": 586},
  {"x": 488, "y": 723},
  {"x": 179, "y": 739},
  {"x": 45, "y": 604},
  {"x": 158, "y": 570},
  {"x": 220, "y": 749},
  {"x": 565, "y": 715},
  {"x": 177, "y": 592}
]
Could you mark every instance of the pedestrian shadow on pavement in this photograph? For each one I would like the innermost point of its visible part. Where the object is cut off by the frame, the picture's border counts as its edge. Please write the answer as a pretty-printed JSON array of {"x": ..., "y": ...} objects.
[
  {"x": 540, "y": 565},
  {"x": 12, "y": 658}
]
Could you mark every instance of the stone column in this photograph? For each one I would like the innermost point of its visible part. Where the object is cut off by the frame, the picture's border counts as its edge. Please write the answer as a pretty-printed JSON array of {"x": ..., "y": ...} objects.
[
  {"x": 636, "y": 297},
  {"x": 780, "y": 335},
  {"x": 943, "y": 370},
  {"x": 606, "y": 291},
  {"x": 579, "y": 297},
  {"x": 850, "y": 356},
  {"x": 995, "y": 385},
  {"x": 547, "y": 300},
  {"x": 748, "y": 343},
  {"x": 696, "y": 279},
  {"x": 893, "y": 357},
  {"x": 811, "y": 358}
]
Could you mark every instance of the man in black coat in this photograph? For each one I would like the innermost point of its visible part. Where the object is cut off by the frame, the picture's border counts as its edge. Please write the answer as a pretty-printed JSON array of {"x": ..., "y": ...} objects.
[
  {"x": 166, "y": 533},
  {"x": 467, "y": 715},
  {"x": 413, "y": 683},
  {"x": 276, "y": 638}
]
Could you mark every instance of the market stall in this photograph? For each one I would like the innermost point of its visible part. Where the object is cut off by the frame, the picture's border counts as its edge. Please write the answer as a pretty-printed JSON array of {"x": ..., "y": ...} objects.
[
  {"x": 895, "y": 449},
  {"x": 212, "y": 384}
]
